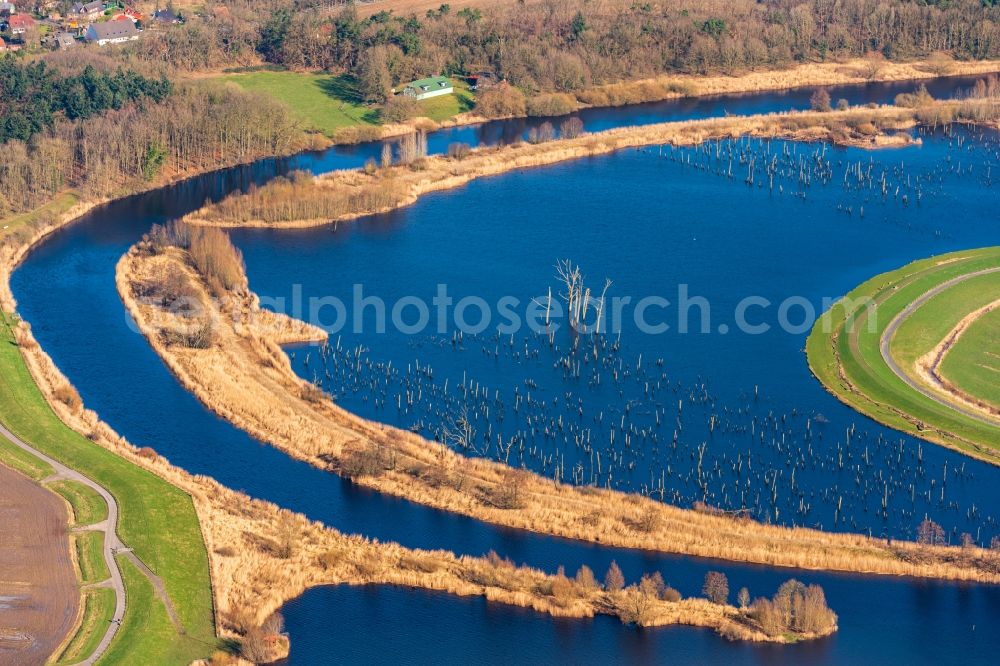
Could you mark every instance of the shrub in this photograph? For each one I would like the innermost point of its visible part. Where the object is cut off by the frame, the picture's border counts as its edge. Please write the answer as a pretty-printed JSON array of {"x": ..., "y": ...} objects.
[
  {"x": 554, "y": 104},
  {"x": 458, "y": 151},
  {"x": 571, "y": 128},
  {"x": 400, "y": 108},
  {"x": 795, "y": 607},
  {"x": 585, "y": 579},
  {"x": 500, "y": 101},
  {"x": 820, "y": 100},
  {"x": 509, "y": 493},
  {"x": 670, "y": 594},
  {"x": 330, "y": 558},
  {"x": 68, "y": 396},
  {"x": 542, "y": 133},
  {"x": 916, "y": 99},
  {"x": 843, "y": 104}
]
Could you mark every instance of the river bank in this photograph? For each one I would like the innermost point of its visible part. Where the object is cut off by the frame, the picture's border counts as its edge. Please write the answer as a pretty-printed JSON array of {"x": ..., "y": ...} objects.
[
  {"x": 346, "y": 195},
  {"x": 245, "y": 377}
]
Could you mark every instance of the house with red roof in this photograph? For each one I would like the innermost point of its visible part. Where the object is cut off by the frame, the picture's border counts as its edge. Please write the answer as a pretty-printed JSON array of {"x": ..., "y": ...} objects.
[{"x": 20, "y": 24}]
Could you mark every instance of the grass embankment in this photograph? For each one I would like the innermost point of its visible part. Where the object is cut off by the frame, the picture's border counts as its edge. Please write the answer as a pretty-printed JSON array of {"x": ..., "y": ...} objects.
[
  {"x": 344, "y": 195},
  {"x": 98, "y": 610},
  {"x": 88, "y": 507},
  {"x": 933, "y": 344},
  {"x": 844, "y": 351},
  {"x": 157, "y": 519},
  {"x": 262, "y": 556},
  {"x": 90, "y": 556},
  {"x": 244, "y": 376},
  {"x": 973, "y": 363}
]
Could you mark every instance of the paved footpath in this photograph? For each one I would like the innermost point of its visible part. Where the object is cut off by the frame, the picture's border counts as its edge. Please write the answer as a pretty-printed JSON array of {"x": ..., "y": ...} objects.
[{"x": 112, "y": 544}]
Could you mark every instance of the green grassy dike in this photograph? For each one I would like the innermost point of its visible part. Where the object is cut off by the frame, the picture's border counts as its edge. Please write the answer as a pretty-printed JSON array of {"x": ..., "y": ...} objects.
[
  {"x": 843, "y": 351},
  {"x": 157, "y": 520}
]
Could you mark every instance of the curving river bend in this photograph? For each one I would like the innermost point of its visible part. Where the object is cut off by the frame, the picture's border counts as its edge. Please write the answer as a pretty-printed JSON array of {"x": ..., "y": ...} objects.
[{"x": 499, "y": 236}]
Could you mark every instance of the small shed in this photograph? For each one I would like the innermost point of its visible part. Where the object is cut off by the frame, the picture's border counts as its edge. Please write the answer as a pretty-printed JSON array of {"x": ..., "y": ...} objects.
[
  {"x": 65, "y": 40},
  {"x": 430, "y": 87},
  {"x": 483, "y": 80}
]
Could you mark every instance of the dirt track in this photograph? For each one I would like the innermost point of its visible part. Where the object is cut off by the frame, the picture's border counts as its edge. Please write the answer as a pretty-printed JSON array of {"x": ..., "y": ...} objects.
[{"x": 38, "y": 588}]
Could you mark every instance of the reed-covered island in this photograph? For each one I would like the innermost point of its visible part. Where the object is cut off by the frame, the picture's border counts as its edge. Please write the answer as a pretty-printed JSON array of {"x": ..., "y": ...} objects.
[
  {"x": 404, "y": 174},
  {"x": 185, "y": 287}
]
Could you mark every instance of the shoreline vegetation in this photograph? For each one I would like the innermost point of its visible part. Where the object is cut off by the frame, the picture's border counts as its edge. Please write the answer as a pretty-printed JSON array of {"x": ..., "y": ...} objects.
[
  {"x": 845, "y": 355},
  {"x": 66, "y": 205},
  {"x": 262, "y": 556},
  {"x": 20, "y": 231},
  {"x": 303, "y": 200},
  {"x": 239, "y": 371}
]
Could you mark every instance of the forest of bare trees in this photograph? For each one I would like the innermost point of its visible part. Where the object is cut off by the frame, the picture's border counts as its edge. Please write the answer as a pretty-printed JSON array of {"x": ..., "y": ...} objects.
[
  {"x": 196, "y": 128},
  {"x": 561, "y": 45}
]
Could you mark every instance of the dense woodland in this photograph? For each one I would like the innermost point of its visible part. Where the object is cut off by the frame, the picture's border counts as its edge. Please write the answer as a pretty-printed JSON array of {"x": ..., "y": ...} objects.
[
  {"x": 194, "y": 129},
  {"x": 104, "y": 122},
  {"x": 32, "y": 94},
  {"x": 562, "y": 45}
]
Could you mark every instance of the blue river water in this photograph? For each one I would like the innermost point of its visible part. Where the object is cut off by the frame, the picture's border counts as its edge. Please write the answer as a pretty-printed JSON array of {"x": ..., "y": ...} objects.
[{"x": 650, "y": 221}]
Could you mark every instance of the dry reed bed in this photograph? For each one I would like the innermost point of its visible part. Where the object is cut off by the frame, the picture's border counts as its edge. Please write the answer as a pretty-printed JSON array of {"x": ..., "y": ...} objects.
[
  {"x": 344, "y": 195},
  {"x": 262, "y": 556},
  {"x": 856, "y": 71},
  {"x": 246, "y": 378}
]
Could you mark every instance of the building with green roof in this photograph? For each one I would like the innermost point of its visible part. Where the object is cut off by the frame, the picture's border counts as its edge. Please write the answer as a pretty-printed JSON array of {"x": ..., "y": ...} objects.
[{"x": 430, "y": 87}]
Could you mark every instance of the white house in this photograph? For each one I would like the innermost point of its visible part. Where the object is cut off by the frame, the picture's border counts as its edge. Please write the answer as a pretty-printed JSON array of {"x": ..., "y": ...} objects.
[
  {"x": 427, "y": 88},
  {"x": 112, "y": 32}
]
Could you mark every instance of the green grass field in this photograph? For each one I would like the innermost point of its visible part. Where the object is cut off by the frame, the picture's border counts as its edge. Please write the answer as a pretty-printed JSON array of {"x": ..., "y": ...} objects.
[
  {"x": 90, "y": 557},
  {"x": 446, "y": 106},
  {"x": 326, "y": 103},
  {"x": 844, "y": 353},
  {"x": 98, "y": 610},
  {"x": 57, "y": 206},
  {"x": 88, "y": 506},
  {"x": 973, "y": 363},
  {"x": 157, "y": 520},
  {"x": 319, "y": 101},
  {"x": 147, "y": 635},
  {"x": 23, "y": 462}
]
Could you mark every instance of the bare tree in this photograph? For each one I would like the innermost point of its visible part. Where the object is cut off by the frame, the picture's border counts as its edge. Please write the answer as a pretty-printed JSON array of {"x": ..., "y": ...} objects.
[
  {"x": 716, "y": 587},
  {"x": 614, "y": 579}
]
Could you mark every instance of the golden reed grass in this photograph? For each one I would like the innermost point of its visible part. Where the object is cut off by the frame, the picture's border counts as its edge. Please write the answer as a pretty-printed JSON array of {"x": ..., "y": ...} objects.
[
  {"x": 247, "y": 379},
  {"x": 261, "y": 555},
  {"x": 271, "y": 205}
]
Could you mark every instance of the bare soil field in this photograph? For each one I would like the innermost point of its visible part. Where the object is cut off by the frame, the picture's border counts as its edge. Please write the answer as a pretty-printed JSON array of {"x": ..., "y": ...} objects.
[{"x": 38, "y": 589}]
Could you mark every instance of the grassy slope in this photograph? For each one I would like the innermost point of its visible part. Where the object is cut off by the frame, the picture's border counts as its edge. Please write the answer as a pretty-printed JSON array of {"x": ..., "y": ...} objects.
[
  {"x": 873, "y": 388},
  {"x": 973, "y": 363},
  {"x": 60, "y": 204},
  {"x": 320, "y": 101},
  {"x": 88, "y": 506},
  {"x": 327, "y": 103},
  {"x": 157, "y": 519},
  {"x": 931, "y": 322},
  {"x": 146, "y": 635},
  {"x": 98, "y": 610},
  {"x": 446, "y": 106},
  {"x": 23, "y": 462},
  {"x": 90, "y": 557}
]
